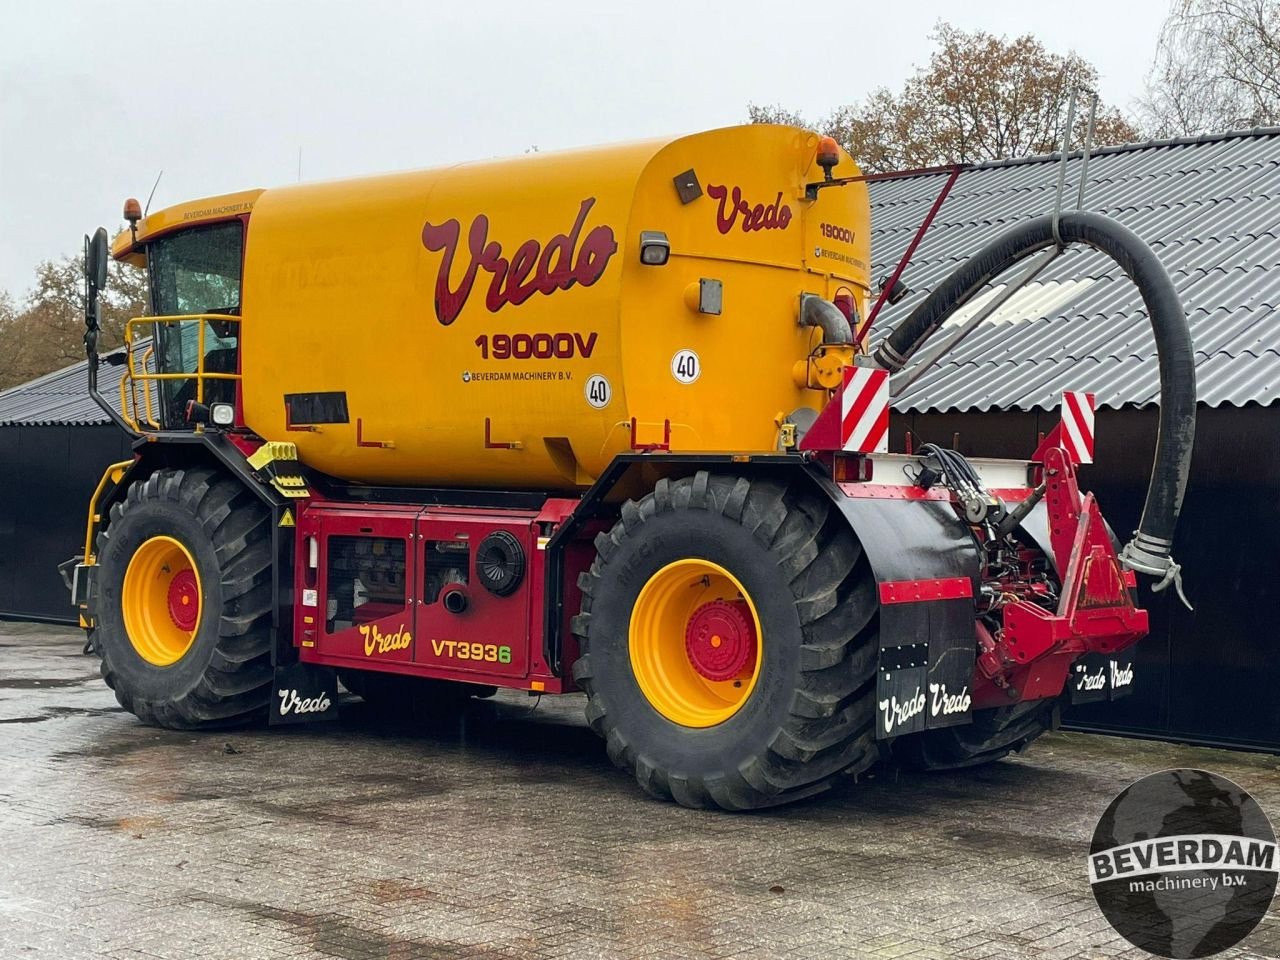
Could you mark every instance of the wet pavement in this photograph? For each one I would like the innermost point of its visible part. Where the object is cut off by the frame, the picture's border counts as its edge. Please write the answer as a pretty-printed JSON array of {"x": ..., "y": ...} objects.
[{"x": 506, "y": 833}]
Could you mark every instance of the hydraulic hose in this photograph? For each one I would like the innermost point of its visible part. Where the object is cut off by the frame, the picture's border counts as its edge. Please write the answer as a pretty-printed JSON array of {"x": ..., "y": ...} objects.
[{"x": 1149, "y": 550}]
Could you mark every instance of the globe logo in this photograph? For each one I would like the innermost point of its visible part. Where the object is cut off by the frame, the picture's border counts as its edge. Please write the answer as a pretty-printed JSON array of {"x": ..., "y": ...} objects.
[{"x": 1183, "y": 863}]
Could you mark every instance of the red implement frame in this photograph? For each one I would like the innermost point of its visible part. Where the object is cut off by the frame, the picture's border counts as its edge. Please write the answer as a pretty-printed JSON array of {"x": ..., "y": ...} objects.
[{"x": 1029, "y": 657}]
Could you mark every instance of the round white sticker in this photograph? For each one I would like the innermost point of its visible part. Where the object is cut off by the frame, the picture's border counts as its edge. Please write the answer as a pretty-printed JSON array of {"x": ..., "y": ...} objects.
[
  {"x": 686, "y": 367},
  {"x": 599, "y": 392}
]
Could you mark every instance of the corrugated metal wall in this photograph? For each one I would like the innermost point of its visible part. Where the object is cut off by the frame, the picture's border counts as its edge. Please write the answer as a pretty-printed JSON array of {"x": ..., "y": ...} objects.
[
  {"x": 47, "y": 474},
  {"x": 1211, "y": 675}
]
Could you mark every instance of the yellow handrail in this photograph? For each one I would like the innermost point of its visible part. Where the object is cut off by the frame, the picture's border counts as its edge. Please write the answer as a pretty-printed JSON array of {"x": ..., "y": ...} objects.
[
  {"x": 146, "y": 388},
  {"x": 112, "y": 475},
  {"x": 133, "y": 375}
]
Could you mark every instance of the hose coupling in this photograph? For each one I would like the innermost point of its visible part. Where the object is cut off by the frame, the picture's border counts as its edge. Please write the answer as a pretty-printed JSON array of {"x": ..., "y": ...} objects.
[{"x": 1150, "y": 555}]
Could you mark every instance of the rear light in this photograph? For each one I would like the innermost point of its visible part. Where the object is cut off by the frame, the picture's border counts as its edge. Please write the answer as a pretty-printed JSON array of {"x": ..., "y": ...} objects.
[
  {"x": 851, "y": 468},
  {"x": 848, "y": 305}
]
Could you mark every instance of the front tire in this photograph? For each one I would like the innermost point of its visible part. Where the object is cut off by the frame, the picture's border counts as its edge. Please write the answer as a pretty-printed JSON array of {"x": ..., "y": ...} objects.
[
  {"x": 184, "y": 601},
  {"x": 784, "y": 703}
]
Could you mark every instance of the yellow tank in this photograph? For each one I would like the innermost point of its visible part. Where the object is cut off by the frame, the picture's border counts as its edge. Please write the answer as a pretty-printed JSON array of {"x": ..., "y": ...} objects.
[{"x": 492, "y": 324}]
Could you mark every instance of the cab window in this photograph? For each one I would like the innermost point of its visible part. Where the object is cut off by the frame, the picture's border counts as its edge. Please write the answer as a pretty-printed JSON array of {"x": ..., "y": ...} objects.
[{"x": 196, "y": 271}]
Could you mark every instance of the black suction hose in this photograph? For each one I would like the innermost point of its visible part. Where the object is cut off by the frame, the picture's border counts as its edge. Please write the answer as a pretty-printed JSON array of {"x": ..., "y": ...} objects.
[{"x": 1149, "y": 550}]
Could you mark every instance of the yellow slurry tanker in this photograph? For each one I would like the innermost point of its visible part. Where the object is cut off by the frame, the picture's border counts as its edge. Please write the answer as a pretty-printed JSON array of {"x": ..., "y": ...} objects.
[{"x": 598, "y": 421}]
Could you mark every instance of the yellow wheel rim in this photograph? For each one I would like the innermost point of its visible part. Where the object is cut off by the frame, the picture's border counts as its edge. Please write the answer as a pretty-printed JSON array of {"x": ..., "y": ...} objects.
[
  {"x": 161, "y": 601},
  {"x": 695, "y": 643}
]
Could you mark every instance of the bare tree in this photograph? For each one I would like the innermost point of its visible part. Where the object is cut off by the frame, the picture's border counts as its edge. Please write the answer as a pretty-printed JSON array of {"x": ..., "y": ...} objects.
[
  {"x": 775, "y": 113},
  {"x": 46, "y": 331},
  {"x": 1217, "y": 67},
  {"x": 980, "y": 97}
]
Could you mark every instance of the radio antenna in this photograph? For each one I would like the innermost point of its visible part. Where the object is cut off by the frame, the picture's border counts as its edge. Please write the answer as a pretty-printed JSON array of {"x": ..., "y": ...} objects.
[{"x": 152, "y": 193}]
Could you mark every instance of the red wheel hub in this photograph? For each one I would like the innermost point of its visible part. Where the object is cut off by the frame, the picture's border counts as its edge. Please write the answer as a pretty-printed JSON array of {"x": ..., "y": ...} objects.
[
  {"x": 184, "y": 600},
  {"x": 720, "y": 640}
]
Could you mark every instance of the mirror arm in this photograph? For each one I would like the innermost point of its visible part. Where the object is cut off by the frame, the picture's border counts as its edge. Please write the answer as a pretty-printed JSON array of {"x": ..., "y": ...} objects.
[{"x": 95, "y": 276}]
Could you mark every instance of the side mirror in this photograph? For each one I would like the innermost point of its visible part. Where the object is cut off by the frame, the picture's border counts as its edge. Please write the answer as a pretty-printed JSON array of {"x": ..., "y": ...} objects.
[{"x": 96, "y": 258}]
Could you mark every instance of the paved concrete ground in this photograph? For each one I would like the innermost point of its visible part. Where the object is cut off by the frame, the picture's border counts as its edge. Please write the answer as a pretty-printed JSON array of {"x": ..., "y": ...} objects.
[{"x": 509, "y": 835}]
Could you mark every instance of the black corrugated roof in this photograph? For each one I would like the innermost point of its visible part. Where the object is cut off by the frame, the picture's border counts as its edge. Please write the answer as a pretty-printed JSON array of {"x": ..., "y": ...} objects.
[
  {"x": 61, "y": 397},
  {"x": 1210, "y": 208}
]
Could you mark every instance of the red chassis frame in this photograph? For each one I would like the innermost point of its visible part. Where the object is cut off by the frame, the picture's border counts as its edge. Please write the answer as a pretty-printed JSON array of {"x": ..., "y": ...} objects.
[{"x": 1027, "y": 658}]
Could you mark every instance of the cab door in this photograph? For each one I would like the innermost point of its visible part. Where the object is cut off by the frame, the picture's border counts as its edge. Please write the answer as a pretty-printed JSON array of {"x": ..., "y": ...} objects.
[{"x": 196, "y": 272}]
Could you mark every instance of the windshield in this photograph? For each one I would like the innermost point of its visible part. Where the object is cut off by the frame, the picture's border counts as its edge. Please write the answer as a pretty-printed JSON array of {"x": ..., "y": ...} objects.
[{"x": 196, "y": 271}]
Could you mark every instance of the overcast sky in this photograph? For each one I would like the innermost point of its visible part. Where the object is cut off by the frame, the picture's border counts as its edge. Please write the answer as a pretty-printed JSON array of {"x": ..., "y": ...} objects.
[{"x": 96, "y": 98}]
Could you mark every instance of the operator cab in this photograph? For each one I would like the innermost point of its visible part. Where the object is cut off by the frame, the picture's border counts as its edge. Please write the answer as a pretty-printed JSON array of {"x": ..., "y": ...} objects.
[
  {"x": 184, "y": 358},
  {"x": 196, "y": 271}
]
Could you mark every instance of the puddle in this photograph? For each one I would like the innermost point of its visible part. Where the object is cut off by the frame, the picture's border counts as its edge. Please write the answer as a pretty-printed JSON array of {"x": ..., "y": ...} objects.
[
  {"x": 304, "y": 813},
  {"x": 387, "y": 891},
  {"x": 82, "y": 711},
  {"x": 1005, "y": 842},
  {"x": 96, "y": 823},
  {"x": 113, "y": 749},
  {"x": 137, "y": 826},
  {"x": 192, "y": 796},
  {"x": 334, "y": 936},
  {"x": 41, "y": 683}
]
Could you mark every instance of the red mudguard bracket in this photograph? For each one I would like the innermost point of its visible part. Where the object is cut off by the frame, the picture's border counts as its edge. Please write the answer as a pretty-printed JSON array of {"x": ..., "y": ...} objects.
[{"x": 918, "y": 591}]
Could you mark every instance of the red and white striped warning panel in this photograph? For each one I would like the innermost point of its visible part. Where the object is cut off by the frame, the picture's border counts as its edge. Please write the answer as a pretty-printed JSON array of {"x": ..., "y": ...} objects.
[
  {"x": 1077, "y": 425},
  {"x": 864, "y": 420}
]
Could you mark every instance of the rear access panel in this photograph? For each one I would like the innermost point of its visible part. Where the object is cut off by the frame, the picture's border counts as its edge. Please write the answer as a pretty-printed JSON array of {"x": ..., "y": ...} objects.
[
  {"x": 357, "y": 570},
  {"x": 432, "y": 591},
  {"x": 475, "y": 574}
]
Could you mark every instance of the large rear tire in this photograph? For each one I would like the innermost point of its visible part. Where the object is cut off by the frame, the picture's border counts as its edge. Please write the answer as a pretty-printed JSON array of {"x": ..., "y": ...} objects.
[
  {"x": 184, "y": 601},
  {"x": 993, "y": 735},
  {"x": 783, "y": 703}
]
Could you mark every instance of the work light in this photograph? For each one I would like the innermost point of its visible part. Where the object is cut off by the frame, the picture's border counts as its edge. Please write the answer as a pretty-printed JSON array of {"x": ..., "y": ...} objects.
[{"x": 655, "y": 248}]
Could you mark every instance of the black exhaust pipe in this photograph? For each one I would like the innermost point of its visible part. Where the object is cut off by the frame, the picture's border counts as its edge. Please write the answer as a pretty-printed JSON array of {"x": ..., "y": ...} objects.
[{"x": 1149, "y": 550}]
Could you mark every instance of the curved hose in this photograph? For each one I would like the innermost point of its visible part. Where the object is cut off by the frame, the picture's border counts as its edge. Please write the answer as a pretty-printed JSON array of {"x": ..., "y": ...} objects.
[
  {"x": 1148, "y": 551},
  {"x": 816, "y": 311}
]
